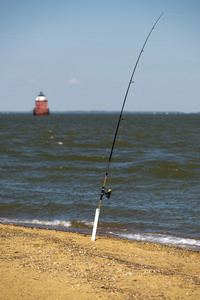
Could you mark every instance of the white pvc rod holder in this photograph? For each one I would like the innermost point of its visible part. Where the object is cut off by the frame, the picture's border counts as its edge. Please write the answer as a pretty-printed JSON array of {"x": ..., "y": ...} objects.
[{"x": 95, "y": 224}]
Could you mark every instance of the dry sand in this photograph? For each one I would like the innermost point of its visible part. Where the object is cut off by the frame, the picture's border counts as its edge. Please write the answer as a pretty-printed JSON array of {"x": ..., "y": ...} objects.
[{"x": 46, "y": 264}]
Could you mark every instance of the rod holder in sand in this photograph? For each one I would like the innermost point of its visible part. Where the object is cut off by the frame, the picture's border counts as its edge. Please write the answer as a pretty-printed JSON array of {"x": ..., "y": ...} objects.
[{"x": 95, "y": 224}]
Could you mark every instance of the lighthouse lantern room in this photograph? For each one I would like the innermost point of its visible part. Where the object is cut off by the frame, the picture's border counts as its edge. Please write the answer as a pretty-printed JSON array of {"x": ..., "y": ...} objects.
[{"x": 41, "y": 105}]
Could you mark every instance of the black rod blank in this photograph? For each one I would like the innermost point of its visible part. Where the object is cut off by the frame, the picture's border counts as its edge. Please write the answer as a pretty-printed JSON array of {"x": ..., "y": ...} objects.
[{"x": 121, "y": 113}]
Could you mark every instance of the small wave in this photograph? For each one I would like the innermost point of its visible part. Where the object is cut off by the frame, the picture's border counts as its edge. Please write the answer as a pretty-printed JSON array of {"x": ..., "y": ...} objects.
[
  {"x": 82, "y": 224},
  {"x": 161, "y": 239},
  {"x": 52, "y": 223},
  {"x": 57, "y": 223},
  {"x": 70, "y": 224}
]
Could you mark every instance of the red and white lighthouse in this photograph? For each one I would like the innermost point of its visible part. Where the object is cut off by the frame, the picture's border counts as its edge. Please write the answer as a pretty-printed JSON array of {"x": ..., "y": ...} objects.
[{"x": 41, "y": 105}]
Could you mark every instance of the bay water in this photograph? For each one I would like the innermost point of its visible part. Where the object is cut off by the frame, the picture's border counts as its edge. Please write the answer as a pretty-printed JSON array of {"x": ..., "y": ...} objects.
[{"x": 52, "y": 170}]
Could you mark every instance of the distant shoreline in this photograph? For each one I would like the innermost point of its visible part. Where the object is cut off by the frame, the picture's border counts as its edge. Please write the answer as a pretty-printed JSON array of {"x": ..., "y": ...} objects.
[{"x": 102, "y": 112}]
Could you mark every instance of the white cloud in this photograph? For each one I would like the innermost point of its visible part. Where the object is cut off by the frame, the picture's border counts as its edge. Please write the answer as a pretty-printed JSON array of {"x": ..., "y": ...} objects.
[{"x": 73, "y": 81}]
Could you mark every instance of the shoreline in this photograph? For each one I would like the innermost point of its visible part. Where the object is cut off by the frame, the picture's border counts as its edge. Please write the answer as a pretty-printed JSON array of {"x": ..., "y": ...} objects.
[
  {"x": 39, "y": 263},
  {"x": 165, "y": 239}
]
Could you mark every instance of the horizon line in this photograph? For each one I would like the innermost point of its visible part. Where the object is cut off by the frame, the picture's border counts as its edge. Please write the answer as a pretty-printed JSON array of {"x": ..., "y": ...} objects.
[{"x": 100, "y": 112}]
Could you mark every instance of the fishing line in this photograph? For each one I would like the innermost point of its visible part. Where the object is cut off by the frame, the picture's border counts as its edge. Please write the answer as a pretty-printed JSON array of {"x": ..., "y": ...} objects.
[
  {"x": 114, "y": 159},
  {"x": 108, "y": 192}
]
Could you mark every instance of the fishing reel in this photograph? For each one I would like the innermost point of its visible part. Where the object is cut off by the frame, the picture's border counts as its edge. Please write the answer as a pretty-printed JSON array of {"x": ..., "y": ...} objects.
[{"x": 108, "y": 193}]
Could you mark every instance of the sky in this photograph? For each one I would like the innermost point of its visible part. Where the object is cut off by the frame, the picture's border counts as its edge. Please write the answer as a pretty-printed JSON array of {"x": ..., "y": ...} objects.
[{"x": 81, "y": 55}]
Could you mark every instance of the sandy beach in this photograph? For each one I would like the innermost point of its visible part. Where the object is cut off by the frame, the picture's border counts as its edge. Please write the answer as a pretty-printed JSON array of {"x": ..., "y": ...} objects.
[{"x": 47, "y": 264}]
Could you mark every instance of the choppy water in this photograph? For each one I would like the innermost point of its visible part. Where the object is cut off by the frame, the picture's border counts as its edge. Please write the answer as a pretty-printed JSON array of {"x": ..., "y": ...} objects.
[{"x": 52, "y": 170}]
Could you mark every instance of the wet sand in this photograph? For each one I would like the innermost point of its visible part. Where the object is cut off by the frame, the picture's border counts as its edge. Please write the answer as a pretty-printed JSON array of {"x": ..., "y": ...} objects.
[{"x": 47, "y": 264}]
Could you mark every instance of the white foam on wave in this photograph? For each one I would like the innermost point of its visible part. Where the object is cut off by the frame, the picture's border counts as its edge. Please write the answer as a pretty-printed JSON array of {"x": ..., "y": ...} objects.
[
  {"x": 51, "y": 223},
  {"x": 161, "y": 239},
  {"x": 87, "y": 223},
  {"x": 58, "y": 223}
]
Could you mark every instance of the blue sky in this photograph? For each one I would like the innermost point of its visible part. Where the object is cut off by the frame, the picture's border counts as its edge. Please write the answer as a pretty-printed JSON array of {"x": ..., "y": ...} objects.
[{"x": 81, "y": 54}]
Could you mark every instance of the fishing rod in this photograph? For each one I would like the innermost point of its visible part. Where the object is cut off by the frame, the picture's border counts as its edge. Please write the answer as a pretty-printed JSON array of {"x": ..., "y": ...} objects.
[{"x": 108, "y": 193}]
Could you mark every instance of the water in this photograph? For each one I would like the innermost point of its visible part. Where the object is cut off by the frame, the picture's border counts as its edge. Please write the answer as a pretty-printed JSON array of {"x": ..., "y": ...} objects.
[{"x": 52, "y": 170}]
